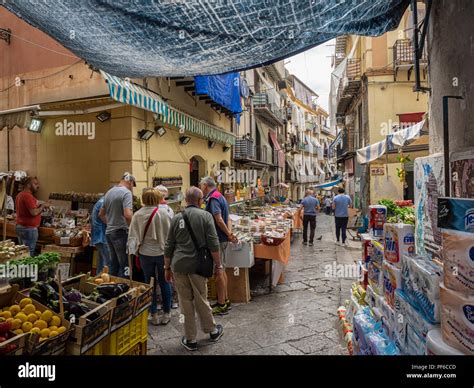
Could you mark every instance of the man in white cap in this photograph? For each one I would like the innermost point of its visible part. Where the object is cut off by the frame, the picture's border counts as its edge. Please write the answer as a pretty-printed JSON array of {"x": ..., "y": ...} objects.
[{"x": 117, "y": 213}]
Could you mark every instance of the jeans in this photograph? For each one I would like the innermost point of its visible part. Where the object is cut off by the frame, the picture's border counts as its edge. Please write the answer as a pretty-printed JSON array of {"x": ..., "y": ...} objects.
[
  {"x": 153, "y": 266},
  {"x": 341, "y": 224},
  {"x": 117, "y": 241},
  {"x": 328, "y": 210},
  {"x": 104, "y": 256},
  {"x": 27, "y": 236},
  {"x": 311, "y": 220}
]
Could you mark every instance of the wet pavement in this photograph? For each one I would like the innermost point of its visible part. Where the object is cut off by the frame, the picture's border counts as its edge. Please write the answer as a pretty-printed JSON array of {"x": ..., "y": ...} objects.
[{"x": 298, "y": 317}]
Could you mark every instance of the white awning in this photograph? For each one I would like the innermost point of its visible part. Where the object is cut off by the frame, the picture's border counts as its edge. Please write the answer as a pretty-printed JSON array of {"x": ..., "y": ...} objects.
[
  {"x": 400, "y": 137},
  {"x": 372, "y": 152},
  {"x": 318, "y": 167}
]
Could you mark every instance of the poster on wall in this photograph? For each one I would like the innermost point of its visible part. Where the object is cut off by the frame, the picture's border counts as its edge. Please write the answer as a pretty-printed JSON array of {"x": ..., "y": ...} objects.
[
  {"x": 462, "y": 174},
  {"x": 429, "y": 185}
]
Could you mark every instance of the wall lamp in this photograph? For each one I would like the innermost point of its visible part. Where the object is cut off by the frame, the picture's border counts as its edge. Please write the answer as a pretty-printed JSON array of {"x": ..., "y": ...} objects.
[
  {"x": 36, "y": 125},
  {"x": 103, "y": 116},
  {"x": 184, "y": 139},
  {"x": 211, "y": 144},
  {"x": 145, "y": 134},
  {"x": 161, "y": 131}
]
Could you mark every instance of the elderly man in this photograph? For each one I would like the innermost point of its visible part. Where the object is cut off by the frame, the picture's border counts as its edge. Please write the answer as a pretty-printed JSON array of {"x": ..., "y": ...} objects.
[
  {"x": 217, "y": 205},
  {"x": 310, "y": 204},
  {"x": 181, "y": 264},
  {"x": 117, "y": 213}
]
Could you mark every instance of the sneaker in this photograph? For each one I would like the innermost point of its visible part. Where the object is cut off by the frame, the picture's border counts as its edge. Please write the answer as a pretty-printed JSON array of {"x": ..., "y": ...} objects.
[
  {"x": 165, "y": 318},
  {"x": 337, "y": 242},
  {"x": 191, "y": 346},
  {"x": 174, "y": 305},
  {"x": 220, "y": 309},
  {"x": 228, "y": 304},
  {"x": 311, "y": 244},
  {"x": 305, "y": 243},
  {"x": 155, "y": 319},
  {"x": 345, "y": 245},
  {"x": 218, "y": 334}
]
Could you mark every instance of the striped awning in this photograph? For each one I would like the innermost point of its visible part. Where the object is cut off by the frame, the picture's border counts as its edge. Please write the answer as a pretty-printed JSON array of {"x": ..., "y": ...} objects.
[
  {"x": 367, "y": 154},
  {"x": 129, "y": 93},
  {"x": 327, "y": 185}
]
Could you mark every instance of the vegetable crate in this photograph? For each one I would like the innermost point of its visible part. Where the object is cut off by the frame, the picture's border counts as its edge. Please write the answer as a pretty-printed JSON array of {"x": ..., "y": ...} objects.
[
  {"x": 52, "y": 346},
  {"x": 127, "y": 337}
]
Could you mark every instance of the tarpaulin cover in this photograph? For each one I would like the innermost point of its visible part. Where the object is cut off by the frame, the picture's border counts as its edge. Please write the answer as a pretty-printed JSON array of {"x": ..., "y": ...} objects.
[
  {"x": 138, "y": 38},
  {"x": 223, "y": 89}
]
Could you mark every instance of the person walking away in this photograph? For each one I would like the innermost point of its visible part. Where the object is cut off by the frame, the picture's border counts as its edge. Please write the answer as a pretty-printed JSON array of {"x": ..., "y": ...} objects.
[
  {"x": 28, "y": 213},
  {"x": 341, "y": 205},
  {"x": 98, "y": 239},
  {"x": 117, "y": 213},
  {"x": 216, "y": 204},
  {"x": 309, "y": 204},
  {"x": 181, "y": 264},
  {"x": 147, "y": 238},
  {"x": 328, "y": 205}
]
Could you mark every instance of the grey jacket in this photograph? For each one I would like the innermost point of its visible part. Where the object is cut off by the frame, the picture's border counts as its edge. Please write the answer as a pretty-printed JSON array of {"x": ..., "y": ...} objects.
[{"x": 179, "y": 245}]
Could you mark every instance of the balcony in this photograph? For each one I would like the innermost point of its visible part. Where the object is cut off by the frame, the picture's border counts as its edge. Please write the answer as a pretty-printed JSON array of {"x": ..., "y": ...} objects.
[
  {"x": 346, "y": 146},
  {"x": 349, "y": 85},
  {"x": 328, "y": 131},
  {"x": 404, "y": 57},
  {"x": 268, "y": 111},
  {"x": 245, "y": 151}
]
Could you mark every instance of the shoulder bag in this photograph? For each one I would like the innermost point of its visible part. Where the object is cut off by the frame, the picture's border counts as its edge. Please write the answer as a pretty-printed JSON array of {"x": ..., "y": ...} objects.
[{"x": 205, "y": 263}]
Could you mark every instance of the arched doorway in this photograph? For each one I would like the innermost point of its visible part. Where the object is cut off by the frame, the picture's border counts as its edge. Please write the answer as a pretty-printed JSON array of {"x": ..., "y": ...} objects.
[{"x": 197, "y": 170}]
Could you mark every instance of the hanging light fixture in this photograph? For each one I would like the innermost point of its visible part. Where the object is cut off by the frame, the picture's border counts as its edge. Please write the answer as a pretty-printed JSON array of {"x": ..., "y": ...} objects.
[
  {"x": 145, "y": 134},
  {"x": 184, "y": 139}
]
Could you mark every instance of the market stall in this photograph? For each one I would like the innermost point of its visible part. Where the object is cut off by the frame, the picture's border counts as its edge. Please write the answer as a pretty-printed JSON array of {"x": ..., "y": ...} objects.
[{"x": 408, "y": 303}]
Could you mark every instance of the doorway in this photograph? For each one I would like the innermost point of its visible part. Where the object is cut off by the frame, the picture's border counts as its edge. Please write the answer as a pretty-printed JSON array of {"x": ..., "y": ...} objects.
[{"x": 197, "y": 170}]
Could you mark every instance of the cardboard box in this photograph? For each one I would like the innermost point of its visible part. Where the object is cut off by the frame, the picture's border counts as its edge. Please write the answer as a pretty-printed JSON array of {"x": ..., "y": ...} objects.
[
  {"x": 238, "y": 285},
  {"x": 240, "y": 255}
]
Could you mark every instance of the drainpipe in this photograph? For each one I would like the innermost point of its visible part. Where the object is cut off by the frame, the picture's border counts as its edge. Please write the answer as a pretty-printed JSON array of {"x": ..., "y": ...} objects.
[{"x": 447, "y": 177}]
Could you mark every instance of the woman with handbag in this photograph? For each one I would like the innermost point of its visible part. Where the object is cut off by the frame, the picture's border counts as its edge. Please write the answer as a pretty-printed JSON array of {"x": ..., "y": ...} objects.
[{"x": 147, "y": 238}]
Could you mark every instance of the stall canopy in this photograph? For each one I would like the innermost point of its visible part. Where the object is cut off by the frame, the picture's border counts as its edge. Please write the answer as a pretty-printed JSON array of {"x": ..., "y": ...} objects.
[
  {"x": 176, "y": 38},
  {"x": 132, "y": 94}
]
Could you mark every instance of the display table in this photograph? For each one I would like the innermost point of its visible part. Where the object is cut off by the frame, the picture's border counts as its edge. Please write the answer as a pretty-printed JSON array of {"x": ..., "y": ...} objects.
[
  {"x": 297, "y": 221},
  {"x": 45, "y": 235},
  {"x": 279, "y": 253}
]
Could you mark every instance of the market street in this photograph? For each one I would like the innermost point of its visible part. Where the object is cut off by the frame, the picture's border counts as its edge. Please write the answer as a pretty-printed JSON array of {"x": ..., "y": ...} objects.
[{"x": 299, "y": 317}]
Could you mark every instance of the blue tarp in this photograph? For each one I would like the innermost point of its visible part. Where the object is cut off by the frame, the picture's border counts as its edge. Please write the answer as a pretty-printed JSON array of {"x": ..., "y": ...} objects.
[
  {"x": 140, "y": 38},
  {"x": 223, "y": 89},
  {"x": 328, "y": 185}
]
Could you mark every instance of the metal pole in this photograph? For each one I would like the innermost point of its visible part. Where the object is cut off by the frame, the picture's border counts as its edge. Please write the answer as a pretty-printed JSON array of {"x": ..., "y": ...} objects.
[
  {"x": 414, "y": 11},
  {"x": 446, "y": 151}
]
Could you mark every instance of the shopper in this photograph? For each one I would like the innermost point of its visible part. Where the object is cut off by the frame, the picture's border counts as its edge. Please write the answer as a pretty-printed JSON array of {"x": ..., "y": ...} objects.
[
  {"x": 309, "y": 206},
  {"x": 163, "y": 203},
  {"x": 117, "y": 214},
  {"x": 28, "y": 213},
  {"x": 341, "y": 205},
  {"x": 181, "y": 263},
  {"x": 328, "y": 205},
  {"x": 147, "y": 237},
  {"x": 217, "y": 205},
  {"x": 98, "y": 239}
]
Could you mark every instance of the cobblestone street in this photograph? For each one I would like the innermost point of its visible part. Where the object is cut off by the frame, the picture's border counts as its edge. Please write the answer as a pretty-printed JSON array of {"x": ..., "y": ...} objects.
[{"x": 299, "y": 317}]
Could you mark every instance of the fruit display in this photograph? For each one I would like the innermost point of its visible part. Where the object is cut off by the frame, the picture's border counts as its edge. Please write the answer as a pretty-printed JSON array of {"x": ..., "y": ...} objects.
[
  {"x": 25, "y": 318},
  {"x": 9, "y": 250}
]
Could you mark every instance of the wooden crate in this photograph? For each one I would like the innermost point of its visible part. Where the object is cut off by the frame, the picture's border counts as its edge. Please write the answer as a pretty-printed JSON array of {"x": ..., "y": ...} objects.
[{"x": 238, "y": 285}]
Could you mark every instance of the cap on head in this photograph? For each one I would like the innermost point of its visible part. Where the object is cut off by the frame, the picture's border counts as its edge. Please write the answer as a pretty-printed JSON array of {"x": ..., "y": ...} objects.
[{"x": 127, "y": 177}]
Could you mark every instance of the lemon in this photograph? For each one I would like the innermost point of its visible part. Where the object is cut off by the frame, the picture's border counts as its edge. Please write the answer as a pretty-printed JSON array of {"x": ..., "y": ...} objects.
[
  {"x": 16, "y": 323},
  {"x": 40, "y": 324},
  {"x": 46, "y": 315},
  {"x": 53, "y": 328},
  {"x": 21, "y": 316},
  {"x": 61, "y": 329},
  {"x": 29, "y": 309},
  {"x": 38, "y": 314},
  {"x": 6, "y": 314},
  {"x": 15, "y": 309},
  {"x": 35, "y": 330},
  {"x": 55, "y": 321},
  {"x": 45, "y": 333},
  {"x": 27, "y": 326},
  {"x": 24, "y": 302},
  {"x": 42, "y": 339},
  {"x": 53, "y": 333},
  {"x": 32, "y": 318},
  {"x": 18, "y": 331}
]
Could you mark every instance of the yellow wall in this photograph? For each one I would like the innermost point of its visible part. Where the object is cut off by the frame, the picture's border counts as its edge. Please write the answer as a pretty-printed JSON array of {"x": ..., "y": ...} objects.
[{"x": 386, "y": 186}]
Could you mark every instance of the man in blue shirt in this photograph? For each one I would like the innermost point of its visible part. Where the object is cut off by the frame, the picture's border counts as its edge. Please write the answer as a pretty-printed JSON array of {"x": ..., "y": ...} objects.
[
  {"x": 309, "y": 204},
  {"x": 341, "y": 204},
  {"x": 216, "y": 204},
  {"x": 98, "y": 236}
]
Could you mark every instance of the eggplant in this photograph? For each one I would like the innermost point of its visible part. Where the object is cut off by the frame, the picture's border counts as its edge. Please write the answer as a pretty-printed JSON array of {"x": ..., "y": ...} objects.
[
  {"x": 109, "y": 291},
  {"x": 38, "y": 296},
  {"x": 123, "y": 299},
  {"x": 73, "y": 296}
]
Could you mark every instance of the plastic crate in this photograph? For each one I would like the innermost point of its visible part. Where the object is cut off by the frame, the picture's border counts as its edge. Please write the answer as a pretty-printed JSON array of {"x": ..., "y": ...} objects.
[
  {"x": 98, "y": 349},
  {"x": 139, "y": 349},
  {"x": 125, "y": 338}
]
